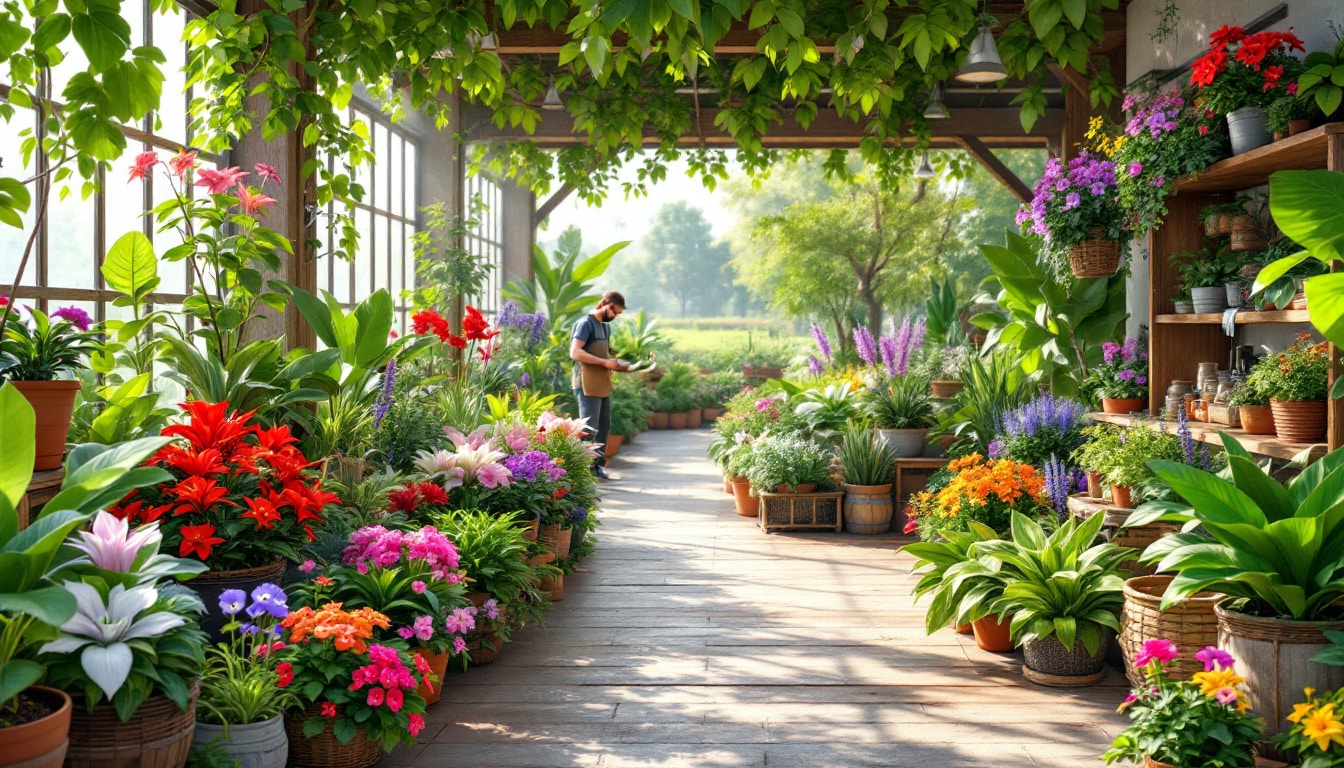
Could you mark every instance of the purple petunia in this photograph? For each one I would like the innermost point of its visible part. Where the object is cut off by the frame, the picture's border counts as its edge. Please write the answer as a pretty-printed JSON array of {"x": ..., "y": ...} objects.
[
  {"x": 1214, "y": 658},
  {"x": 268, "y": 598}
]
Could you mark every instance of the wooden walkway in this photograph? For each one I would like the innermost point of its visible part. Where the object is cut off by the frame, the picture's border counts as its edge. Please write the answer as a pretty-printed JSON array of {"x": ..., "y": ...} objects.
[{"x": 693, "y": 639}]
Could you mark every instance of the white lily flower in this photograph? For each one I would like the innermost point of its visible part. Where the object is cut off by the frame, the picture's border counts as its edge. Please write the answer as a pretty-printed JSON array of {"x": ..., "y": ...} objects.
[
  {"x": 112, "y": 545},
  {"x": 434, "y": 462},
  {"x": 103, "y": 629}
]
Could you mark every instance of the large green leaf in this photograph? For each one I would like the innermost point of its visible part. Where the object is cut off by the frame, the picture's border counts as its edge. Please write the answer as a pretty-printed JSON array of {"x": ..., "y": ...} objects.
[
  {"x": 374, "y": 316},
  {"x": 131, "y": 266},
  {"x": 1325, "y": 301},
  {"x": 1309, "y": 207},
  {"x": 1212, "y": 498},
  {"x": 17, "y": 454},
  {"x": 17, "y": 675},
  {"x": 596, "y": 265},
  {"x": 50, "y": 605},
  {"x": 1268, "y": 495}
]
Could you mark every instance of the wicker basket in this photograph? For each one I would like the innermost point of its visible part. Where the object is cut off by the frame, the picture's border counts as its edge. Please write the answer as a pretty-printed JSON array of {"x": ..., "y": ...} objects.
[
  {"x": 800, "y": 510},
  {"x": 1096, "y": 256},
  {"x": 323, "y": 750},
  {"x": 158, "y": 735},
  {"x": 1191, "y": 624}
]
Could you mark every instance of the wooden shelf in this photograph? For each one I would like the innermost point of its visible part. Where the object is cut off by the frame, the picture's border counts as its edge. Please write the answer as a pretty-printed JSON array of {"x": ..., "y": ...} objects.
[
  {"x": 1264, "y": 445},
  {"x": 1305, "y": 151},
  {"x": 1243, "y": 318}
]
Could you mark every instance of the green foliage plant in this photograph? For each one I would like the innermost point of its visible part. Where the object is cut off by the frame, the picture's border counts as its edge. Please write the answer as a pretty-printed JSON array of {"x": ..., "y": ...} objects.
[
  {"x": 1286, "y": 109},
  {"x": 1323, "y": 77},
  {"x": 1278, "y": 546},
  {"x": 444, "y": 270},
  {"x": 1298, "y": 373},
  {"x": 43, "y": 351},
  {"x": 942, "y": 312},
  {"x": 826, "y": 413},
  {"x": 1129, "y": 462},
  {"x": 628, "y": 415},
  {"x": 787, "y": 460},
  {"x": 408, "y": 428},
  {"x": 1098, "y": 451},
  {"x": 493, "y": 553},
  {"x": 993, "y": 384},
  {"x": 1062, "y": 585},
  {"x": 563, "y": 283},
  {"x": 1207, "y": 268},
  {"x": 676, "y": 390},
  {"x": 900, "y": 403},
  {"x": 635, "y": 338},
  {"x": 865, "y": 460},
  {"x": 961, "y": 585}
]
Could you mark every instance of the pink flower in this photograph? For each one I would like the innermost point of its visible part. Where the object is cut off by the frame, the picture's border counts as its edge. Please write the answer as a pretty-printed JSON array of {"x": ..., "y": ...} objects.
[
  {"x": 307, "y": 566},
  {"x": 144, "y": 162},
  {"x": 424, "y": 628},
  {"x": 376, "y": 697},
  {"x": 267, "y": 171},
  {"x": 219, "y": 182},
  {"x": 394, "y": 700},
  {"x": 492, "y": 608},
  {"x": 459, "y": 645},
  {"x": 1161, "y": 651},
  {"x": 459, "y": 621},
  {"x": 253, "y": 202},
  {"x": 406, "y": 632},
  {"x": 519, "y": 438},
  {"x": 418, "y": 587},
  {"x": 182, "y": 162},
  {"x": 494, "y": 475},
  {"x": 1213, "y": 658},
  {"x": 416, "y": 725},
  {"x": 1225, "y": 696}
]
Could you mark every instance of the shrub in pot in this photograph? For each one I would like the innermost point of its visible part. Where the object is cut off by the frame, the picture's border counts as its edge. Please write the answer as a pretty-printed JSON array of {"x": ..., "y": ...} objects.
[
  {"x": 676, "y": 393},
  {"x": 973, "y": 489},
  {"x": 1121, "y": 380},
  {"x": 1064, "y": 593},
  {"x": 825, "y": 414},
  {"x": 865, "y": 464},
  {"x": 1096, "y": 455},
  {"x": 962, "y": 585},
  {"x": 1290, "y": 115},
  {"x": 901, "y": 412},
  {"x": 788, "y": 463},
  {"x": 1297, "y": 382},
  {"x": 34, "y": 354},
  {"x": 1129, "y": 471},
  {"x": 1273, "y": 548}
]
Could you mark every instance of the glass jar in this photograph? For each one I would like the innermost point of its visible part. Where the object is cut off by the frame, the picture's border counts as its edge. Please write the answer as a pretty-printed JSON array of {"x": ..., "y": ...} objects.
[{"x": 1225, "y": 387}]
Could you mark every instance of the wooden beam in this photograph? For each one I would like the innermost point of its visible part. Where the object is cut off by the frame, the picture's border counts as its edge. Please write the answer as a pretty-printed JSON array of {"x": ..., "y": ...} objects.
[
  {"x": 996, "y": 167},
  {"x": 996, "y": 127},
  {"x": 1069, "y": 76},
  {"x": 552, "y": 202}
]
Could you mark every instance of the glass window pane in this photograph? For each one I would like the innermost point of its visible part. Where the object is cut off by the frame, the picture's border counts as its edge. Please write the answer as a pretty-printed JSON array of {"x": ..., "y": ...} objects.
[
  {"x": 398, "y": 263},
  {"x": 364, "y": 261},
  {"x": 168, "y": 29},
  {"x": 173, "y": 275},
  {"x": 380, "y": 255},
  {"x": 412, "y": 207},
  {"x": 13, "y": 240},
  {"x": 397, "y": 186},
  {"x": 70, "y": 257},
  {"x": 380, "y": 165}
]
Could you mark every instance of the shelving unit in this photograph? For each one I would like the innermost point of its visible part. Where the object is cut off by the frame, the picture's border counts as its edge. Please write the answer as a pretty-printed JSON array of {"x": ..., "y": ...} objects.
[
  {"x": 1264, "y": 445},
  {"x": 1178, "y": 342}
]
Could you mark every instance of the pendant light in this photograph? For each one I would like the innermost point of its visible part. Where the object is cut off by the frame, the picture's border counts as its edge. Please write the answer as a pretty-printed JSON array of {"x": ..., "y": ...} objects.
[
  {"x": 936, "y": 110},
  {"x": 552, "y": 100},
  {"x": 925, "y": 169},
  {"x": 984, "y": 64}
]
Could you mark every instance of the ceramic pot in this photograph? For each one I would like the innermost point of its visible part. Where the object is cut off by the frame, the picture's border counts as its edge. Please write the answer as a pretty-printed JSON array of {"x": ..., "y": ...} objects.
[
  {"x": 1236, "y": 294},
  {"x": 906, "y": 443},
  {"x": 693, "y": 418},
  {"x": 41, "y": 743},
  {"x": 1184, "y": 307},
  {"x": 1257, "y": 419},
  {"x": 53, "y": 404},
  {"x": 868, "y": 508},
  {"x": 746, "y": 503},
  {"x": 992, "y": 635},
  {"x": 1248, "y": 128},
  {"x": 1122, "y": 496},
  {"x": 1208, "y": 300},
  {"x": 613, "y": 445},
  {"x": 1301, "y": 421},
  {"x": 1122, "y": 404},
  {"x": 253, "y": 745},
  {"x": 438, "y": 664},
  {"x": 944, "y": 389}
]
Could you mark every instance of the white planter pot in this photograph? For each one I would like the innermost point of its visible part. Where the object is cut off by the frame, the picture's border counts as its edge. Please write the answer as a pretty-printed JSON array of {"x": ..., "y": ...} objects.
[
  {"x": 1207, "y": 300},
  {"x": 1249, "y": 129},
  {"x": 907, "y": 443},
  {"x": 255, "y": 745}
]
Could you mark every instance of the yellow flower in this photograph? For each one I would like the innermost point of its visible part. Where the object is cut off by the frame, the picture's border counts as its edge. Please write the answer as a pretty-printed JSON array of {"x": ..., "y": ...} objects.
[
  {"x": 1323, "y": 727},
  {"x": 1213, "y": 681},
  {"x": 1309, "y": 692},
  {"x": 1300, "y": 711}
]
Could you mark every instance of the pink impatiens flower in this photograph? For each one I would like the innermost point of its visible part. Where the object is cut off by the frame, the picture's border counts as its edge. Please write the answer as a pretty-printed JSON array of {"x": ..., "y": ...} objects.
[
  {"x": 418, "y": 587},
  {"x": 144, "y": 162},
  {"x": 1161, "y": 651},
  {"x": 416, "y": 725},
  {"x": 459, "y": 645},
  {"x": 424, "y": 628},
  {"x": 459, "y": 621},
  {"x": 376, "y": 697},
  {"x": 1226, "y": 696}
]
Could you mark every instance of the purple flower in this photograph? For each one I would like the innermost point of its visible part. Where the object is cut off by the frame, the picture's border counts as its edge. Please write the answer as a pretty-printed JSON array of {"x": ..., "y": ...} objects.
[
  {"x": 1187, "y": 439},
  {"x": 268, "y": 598},
  {"x": 1135, "y": 169},
  {"x": 1160, "y": 182},
  {"x": 1205, "y": 458},
  {"x": 823, "y": 343},
  {"x": 1058, "y": 485},
  {"x": 1098, "y": 189},
  {"x": 384, "y": 402},
  {"x": 527, "y": 466},
  {"x": 1126, "y": 375},
  {"x": 1072, "y": 201},
  {"x": 579, "y": 513},
  {"x": 865, "y": 345},
  {"x": 75, "y": 315},
  {"x": 525, "y": 379},
  {"x": 995, "y": 448},
  {"x": 491, "y": 608},
  {"x": 814, "y": 365},
  {"x": 538, "y": 332},
  {"x": 887, "y": 346},
  {"x": 1062, "y": 185},
  {"x": 231, "y": 601},
  {"x": 508, "y": 314},
  {"x": 1214, "y": 658},
  {"x": 1140, "y": 380}
]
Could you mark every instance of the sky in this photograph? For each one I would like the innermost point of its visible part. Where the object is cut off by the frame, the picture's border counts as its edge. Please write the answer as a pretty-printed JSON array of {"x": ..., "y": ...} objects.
[{"x": 622, "y": 219}]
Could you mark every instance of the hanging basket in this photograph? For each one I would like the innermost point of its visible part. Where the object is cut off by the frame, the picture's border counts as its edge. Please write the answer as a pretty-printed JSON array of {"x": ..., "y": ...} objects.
[{"x": 1096, "y": 256}]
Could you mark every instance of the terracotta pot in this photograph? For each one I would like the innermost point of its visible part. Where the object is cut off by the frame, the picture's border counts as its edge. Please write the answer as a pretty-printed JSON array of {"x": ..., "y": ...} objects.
[
  {"x": 944, "y": 390},
  {"x": 963, "y": 629},
  {"x": 992, "y": 635},
  {"x": 746, "y": 503},
  {"x": 53, "y": 403},
  {"x": 709, "y": 415},
  {"x": 1301, "y": 421},
  {"x": 41, "y": 743},
  {"x": 530, "y": 530},
  {"x": 678, "y": 420},
  {"x": 660, "y": 420},
  {"x": 438, "y": 664},
  {"x": 158, "y": 734},
  {"x": 1122, "y": 405},
  {"x": 694, "y": 418},
  {"x": 613, "y": 445},
  {"x": 555, "y": 587},
  {"x": 484, "y": 648},
  {"x": 211, "y": 584},
  {"x": 1122, "y": 496},
  {"x": 1094, "y": 485},
  {"x": 1257, "y": 419},
  {"x": 800, "y": 488},
  {"x": 323, "y": 750},
  {"x": 556, "y": 539},
  {"x": 1298, "y": 126},
  {"x": 728, "y": 485},
  {"x": 1149, "y": 762}
]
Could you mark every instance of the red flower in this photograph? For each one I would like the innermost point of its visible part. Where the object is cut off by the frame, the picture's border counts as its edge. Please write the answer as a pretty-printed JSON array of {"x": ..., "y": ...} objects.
[
  {"x": 285, "y": 673},
  {"x": 324, "y": 581},
  {"x": 144, "y": 162},
  {"x": 1272, "y": 75},
  {"x": 262, "y": 511},
  {"x": 193, "y": 462},
  {"x": 328, "y": 709},
  {"x": 432, "y": 495},
  {"x": 1225, "y": 36},
  {"x": 198, "y": 540},
  {"x": 1207, "y": 68},
  {"x": 210, "y": 426},
  {"x": 198, "y": 494},
  {"x": 308, "y": 501},
  {"x": 456, "y": 341},
  {"x": 1203, "y": 130},
  {"x": 428, "y": 321},
  {"x": 405, "y": 500},
  {"x": 561, "y": 492},
  {"x": 475, "y": 327}
]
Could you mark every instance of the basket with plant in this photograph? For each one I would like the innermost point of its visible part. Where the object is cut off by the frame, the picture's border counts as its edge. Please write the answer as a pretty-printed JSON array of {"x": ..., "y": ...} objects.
[
  {"x": 788, "y": 464},
  {"x": 1076, "y": 212}
]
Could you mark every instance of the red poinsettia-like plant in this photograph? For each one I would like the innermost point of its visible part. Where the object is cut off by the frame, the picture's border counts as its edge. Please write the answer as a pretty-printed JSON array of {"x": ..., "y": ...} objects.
[
  {"x": 1242, "y": 70},
  {"x": 241, "y": 495}
]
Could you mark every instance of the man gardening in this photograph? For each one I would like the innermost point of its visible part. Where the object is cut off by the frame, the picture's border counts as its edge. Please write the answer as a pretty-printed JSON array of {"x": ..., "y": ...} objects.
[{"x": 590, "y": 349}]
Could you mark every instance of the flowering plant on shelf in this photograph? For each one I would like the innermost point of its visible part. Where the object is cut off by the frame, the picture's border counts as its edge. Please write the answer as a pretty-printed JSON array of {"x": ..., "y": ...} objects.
[
  {"x": 1317, "y": 733},
  {"x": 346, "y": 679},
  {"x": 239, "y": 495},
  {"x": 1070, "y": 203},
  {"x": 1045, "y": 426},
  {"x": 244, "y": 681},
  {"x": 1241, "y": 70},
  {"x": 1205, "y": 720},
  {"x": 973, "y": 488},
  {"x": 46, "y": 348},
  {"x": 1123, "y": 372},
  {"x": 1298, "y": 373}
]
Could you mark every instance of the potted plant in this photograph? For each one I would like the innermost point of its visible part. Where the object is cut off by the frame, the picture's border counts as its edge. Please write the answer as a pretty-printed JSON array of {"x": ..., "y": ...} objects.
[
  {"x": 676, "y": 393},
  {"x": 244, "y": 688},
  {"x": 738, "y": 463},
  {"x": 719, "y": 387},
  {"x": 1201, "y": 721},
  {"x": 1122, "y": 377},
  {"x": 961, "y": 585},
  {"x": 239, "y": 498},
  {"x": 628, "y": 415},
  {"x": 1290, "y": 115},
  {"x": 1205, "y": 276},
  {"x": 944, "y": 367},
  {"x": 1264, "y": 544},
  {"x": 1129, "y": 471},
  {"x": 1322, "y": 78},
  {"x": 866, "y": 465},
  {"x": 33, "y": 357},
  {"x": 1096, "y": 456},
  {"x": 1075, "y": 209},
  {"x": 1296, "y": 382},
  {"x": 974, "y": 489},
  {"x": 1252, "y": 404},
  {"x": 356, "y": 697},
  {"x": 1182, "y": 304},
  {"x": 786, "y": 463},
  {"x": 901, "y": 413},
  {"x": 1243, "y": 74},
  {"x": 1064, "y": 594}
]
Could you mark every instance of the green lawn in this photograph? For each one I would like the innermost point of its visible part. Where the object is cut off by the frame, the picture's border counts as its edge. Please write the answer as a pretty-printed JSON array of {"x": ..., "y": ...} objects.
[{"x": 724, "y": 338}]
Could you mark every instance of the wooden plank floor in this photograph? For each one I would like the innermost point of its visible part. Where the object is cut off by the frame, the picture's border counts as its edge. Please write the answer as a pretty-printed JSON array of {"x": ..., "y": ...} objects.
[{"x": 691, "y": 638}]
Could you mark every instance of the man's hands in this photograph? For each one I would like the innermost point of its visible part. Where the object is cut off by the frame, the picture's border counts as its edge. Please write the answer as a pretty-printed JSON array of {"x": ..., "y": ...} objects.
[{"x": 618, "y": 365}]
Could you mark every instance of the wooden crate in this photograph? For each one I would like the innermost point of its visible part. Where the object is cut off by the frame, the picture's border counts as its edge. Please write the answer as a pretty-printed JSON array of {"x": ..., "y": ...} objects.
[
  {"x": 789, "y": 511},
  {"x": 912, "y": 475}
]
